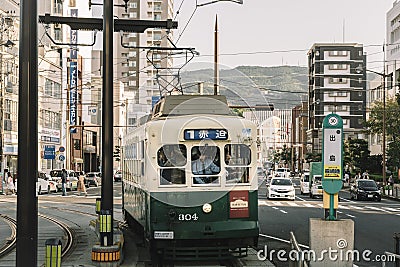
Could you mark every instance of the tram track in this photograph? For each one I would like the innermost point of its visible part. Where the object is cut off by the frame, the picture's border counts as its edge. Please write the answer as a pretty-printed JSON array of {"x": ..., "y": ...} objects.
[{"x": 11, "y": 241}]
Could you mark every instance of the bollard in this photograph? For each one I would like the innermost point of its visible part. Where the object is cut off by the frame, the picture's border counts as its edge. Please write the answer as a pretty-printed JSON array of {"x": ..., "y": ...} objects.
[
  {"x": 98, "y": 205},
  {"x": 396, "y": 237},
  {"x": 53, "y": 252},
  {"x": 105, "y": 227}
]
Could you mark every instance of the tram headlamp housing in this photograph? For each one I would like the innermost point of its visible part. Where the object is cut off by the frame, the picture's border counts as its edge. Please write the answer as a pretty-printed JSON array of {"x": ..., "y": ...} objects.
[{"x": 207, "y": 208}]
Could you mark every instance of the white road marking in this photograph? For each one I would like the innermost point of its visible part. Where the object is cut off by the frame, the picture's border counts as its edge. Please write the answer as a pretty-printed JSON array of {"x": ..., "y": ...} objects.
[
  {"x": 343, "y": 207},
  {"x": 351, "y": 216},
  {"x": 355, "y": 207},
  {"x": 285, "y": 212},
  {"x": 302, "y": 199},
  {"x": 293, "y": 204}
]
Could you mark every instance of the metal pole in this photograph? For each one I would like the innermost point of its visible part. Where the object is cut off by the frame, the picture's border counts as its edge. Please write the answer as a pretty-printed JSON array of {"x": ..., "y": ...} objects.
[
  {"x": 216, "y": 70},
  {"x": 27, "y": 210},
  {"x": 107, "y": 112},
  {"x": 384, "y": 121}
]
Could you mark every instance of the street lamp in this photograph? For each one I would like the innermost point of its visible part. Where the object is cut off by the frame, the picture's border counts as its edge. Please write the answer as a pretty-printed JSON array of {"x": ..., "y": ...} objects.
[{"x": 359, "y": 69}]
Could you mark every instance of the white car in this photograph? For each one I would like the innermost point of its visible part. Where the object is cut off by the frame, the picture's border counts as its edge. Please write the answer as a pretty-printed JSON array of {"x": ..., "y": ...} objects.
[
  {"x": 281, "y": 188},
  {"x": 305, "y": 183},
  {"x": 282, "y": 173},
  {"x": 316, "y": 189},
  {"x": 44, "y": 184}
]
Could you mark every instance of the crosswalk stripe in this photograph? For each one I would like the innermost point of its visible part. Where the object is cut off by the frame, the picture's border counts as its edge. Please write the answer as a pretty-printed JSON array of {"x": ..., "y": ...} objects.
[
  {"x": 391, "y": 209},
  {"x": 293, "y": 204},
  {"x": 374, "y": 208},
  {"x": 277, "y": 203},
  {"x": 308, "y": 205},
  {"x": 356, "y": 207},
  {"x": 262, "y": 202},
  {"x": 343, "y": 207}
]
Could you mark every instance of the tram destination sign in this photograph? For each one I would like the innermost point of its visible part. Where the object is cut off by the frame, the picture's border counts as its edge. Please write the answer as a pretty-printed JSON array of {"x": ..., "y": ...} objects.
[{"x": 200, "y": 134}]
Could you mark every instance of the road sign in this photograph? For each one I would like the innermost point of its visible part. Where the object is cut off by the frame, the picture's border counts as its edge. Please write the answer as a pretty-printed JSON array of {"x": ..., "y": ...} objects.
[
  {"x": 332, "y": 162},
  {"x": 332, "y": 153},
  {"x": 49, "y": 152},
  {"x": 61, "y": 149},
  {"x": 61, "y": 157}
]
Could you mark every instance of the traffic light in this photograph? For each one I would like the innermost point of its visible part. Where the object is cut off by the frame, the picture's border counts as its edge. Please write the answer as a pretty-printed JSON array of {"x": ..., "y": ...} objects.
[{"x": 117, "y": 153}]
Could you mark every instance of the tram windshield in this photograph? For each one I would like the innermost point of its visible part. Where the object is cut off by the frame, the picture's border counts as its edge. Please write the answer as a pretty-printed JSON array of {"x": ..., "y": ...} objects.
[
  {"x": 237, "y": 161},
  {"x": 172, "y": 160},
  {"x": 206, "y": 165}
]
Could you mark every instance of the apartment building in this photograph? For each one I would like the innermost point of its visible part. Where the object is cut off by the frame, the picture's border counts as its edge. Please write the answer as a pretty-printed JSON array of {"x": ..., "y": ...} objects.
[
  {"x": 336, "y": 84},
  {"x": 274, "y": 131}
]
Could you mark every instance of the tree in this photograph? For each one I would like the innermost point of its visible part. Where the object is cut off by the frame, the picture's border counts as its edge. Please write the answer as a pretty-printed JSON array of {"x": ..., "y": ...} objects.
[
  {"x": 356, "y": 153},
  {"x": 392, "y": 125}
]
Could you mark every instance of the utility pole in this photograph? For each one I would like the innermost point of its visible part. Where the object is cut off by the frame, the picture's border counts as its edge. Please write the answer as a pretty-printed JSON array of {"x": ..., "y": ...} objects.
[
  {"x": 108, "y": 25},
  {"x": 216, "y": 58},
  {"x": 27, "y": 208}
]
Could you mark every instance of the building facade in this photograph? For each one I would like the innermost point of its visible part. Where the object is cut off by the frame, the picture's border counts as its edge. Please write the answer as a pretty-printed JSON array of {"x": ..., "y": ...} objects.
[{"x": 336, "y": 84}]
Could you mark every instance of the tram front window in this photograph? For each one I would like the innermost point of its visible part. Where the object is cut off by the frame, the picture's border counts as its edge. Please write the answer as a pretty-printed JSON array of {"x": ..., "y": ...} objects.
[
  {"x": 206, "y": 165},
  {"x": 237, "y": 160},
  {"x": 172, "y": 160}
]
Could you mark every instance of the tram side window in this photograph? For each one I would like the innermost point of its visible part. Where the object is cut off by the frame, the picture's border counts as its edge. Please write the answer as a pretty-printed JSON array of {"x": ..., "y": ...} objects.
[
  {"x": 237, "y": 161},
  {"x": 206, "y": 165},
  {"x": 172, "y": 160}
]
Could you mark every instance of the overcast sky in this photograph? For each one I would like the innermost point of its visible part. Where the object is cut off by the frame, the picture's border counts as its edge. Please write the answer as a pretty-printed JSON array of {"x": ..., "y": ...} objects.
[{"x": 266, "y": 26}]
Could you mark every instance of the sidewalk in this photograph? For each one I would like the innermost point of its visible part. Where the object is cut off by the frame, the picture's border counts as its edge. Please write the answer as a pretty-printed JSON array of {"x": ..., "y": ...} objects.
[{"x": 393, "y": 192}]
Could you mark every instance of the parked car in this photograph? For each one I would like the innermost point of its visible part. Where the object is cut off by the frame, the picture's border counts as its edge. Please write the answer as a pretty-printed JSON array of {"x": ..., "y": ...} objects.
[
  {"x": 305, "y": 183},
  {"x": 72, "y": 179},
  {"x": 281, "y": 188},
  {"x": 118, "y": 176},
  {"x": 42, "y": 183},
  {"x": 93, "y": 178},
  {"x": 365, "y": 189}
]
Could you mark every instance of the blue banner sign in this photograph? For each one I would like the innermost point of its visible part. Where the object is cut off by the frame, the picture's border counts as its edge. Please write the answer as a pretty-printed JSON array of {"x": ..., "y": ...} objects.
[
  {"x": 200, "y": 134},
  {"x": 73, "y": 95},
  {"x": 49, "y": 152}
]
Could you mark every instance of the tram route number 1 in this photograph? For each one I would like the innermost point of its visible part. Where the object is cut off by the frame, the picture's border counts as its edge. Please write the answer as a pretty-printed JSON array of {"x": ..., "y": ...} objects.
[{"x": 188, "y": 217}]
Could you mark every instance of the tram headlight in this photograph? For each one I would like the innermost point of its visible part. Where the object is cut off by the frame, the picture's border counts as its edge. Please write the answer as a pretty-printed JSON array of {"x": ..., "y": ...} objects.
[{"x": 207, "y": 208}]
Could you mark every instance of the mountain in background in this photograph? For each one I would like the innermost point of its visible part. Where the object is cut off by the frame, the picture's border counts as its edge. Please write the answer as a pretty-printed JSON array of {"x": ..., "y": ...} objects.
[{"x": 283, "y": 86}]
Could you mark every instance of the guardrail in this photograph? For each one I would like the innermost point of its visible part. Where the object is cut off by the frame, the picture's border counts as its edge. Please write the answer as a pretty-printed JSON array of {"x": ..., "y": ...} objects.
[
  {"x": 391, "y": 191},
  {"x": 300, "y": 262}
]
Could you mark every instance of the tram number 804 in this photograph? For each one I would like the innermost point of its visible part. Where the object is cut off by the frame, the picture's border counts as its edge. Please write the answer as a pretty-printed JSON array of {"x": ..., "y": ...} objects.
[{"x": 188, "y": 217}]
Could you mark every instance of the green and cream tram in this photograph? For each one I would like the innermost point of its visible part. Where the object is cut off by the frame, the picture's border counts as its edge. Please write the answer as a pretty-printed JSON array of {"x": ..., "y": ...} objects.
[{"x": 190, "y": 181}]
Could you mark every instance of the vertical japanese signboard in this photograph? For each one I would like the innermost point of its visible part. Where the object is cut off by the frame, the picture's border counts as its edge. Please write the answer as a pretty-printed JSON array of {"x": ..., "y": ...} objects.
[
  {"x": 73, "y": 75},
  {"x": 332, "y": 152}
]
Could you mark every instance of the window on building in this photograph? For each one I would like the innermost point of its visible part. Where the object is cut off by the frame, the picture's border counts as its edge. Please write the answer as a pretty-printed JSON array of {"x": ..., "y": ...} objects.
[
  {"x": 77, "y": 144},
  {"x": 48, "y": 87},
  {"x": 57, "y": 32},
  {"x": 339, "y": 53},
  {"x": 337, "y": 80},
  {"x": 58, "y": 7},
  {"x": 338, "y": 66},
  {"x": 131, "y": 121},
  {"x": 57, "y": 90}
]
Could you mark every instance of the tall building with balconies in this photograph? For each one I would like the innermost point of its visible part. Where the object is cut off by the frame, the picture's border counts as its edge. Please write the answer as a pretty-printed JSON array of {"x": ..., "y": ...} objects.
[{"x": 336, "y": 84}]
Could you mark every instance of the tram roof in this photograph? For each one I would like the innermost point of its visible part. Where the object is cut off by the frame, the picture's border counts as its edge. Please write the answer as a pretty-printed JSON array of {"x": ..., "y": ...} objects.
[{"x": 178, "y": 105}]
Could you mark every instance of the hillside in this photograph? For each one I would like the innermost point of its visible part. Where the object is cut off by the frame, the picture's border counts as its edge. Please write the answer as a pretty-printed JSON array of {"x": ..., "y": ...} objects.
[{"x": 282, "y": 86}]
